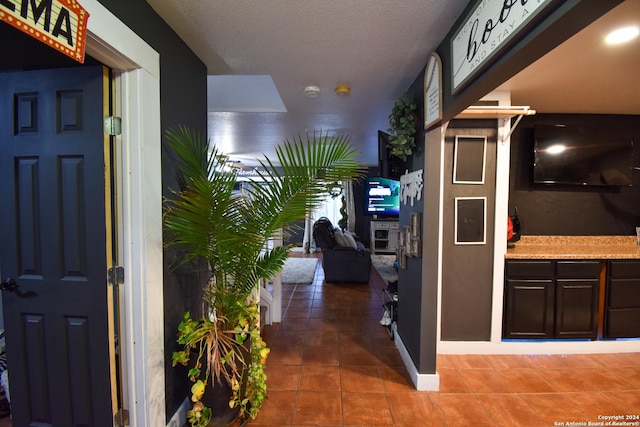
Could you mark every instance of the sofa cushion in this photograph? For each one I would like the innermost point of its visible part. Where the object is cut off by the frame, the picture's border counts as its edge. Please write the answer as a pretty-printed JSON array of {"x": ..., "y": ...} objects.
[
  {"x": 350, "y": 239},
  {"x": 340, "y": 238}
]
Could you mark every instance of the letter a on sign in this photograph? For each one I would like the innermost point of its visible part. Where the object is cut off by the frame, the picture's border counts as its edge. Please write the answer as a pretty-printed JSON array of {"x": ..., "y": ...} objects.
[{"x": 60, "y": 24}]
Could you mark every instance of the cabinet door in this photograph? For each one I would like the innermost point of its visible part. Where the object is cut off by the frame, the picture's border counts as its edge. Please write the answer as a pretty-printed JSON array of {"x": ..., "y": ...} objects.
[
  {"x": 622, "y": 315},
  {"x": 529, "y": 309},
  {"x": 576, "y": 313}
]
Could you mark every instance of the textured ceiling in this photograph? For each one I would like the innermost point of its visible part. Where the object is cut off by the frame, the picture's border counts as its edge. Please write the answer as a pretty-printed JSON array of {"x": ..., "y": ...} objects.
[
  {"x": 584, "y": 74},
  {"x": 378, "y": 48}
]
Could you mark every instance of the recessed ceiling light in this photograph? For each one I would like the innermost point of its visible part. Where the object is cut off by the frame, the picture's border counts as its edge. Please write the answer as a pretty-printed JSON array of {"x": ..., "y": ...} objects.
[
  {"x": 311, "y": 91},
  {"x": 622, "y": 35},
  {"x": 556, "y": 149}
]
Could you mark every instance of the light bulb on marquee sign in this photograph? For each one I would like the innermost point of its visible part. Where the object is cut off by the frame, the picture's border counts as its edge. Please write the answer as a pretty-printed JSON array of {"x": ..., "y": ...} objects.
[{"x": 60, "y": 24}]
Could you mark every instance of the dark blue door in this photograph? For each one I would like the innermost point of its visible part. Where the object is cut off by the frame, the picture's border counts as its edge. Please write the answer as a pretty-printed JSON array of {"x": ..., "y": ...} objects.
[{"x": 53, "y": 244}]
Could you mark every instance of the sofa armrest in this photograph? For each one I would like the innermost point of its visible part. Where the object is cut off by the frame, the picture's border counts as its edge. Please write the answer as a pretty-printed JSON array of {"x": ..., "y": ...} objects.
[
  {"x": 343, "y": 264},
  {"x": 342, "y": 248}
]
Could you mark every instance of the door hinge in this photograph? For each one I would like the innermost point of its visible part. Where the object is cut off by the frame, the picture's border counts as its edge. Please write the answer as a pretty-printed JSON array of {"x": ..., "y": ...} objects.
[
  {"x": 113, "y": 125},
  {"x": 121, "y": 418},
  {"x": 115, "y": 276}
]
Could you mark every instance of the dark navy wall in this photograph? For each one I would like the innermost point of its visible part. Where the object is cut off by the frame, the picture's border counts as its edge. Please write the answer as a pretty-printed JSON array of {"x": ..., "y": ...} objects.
[{"x": 416, "y": 317}]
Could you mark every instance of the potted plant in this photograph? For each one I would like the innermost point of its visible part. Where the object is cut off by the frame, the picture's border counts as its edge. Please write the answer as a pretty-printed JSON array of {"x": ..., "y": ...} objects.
[
  {"x": 222, "y": 346},
  {"x": 402, "y": 127}
]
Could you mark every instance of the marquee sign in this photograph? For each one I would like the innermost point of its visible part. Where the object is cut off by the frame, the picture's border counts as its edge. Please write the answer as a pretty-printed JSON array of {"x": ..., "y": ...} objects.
[
  {"x": 60, "y": 24},
  {"x": 486, "y": 31}
]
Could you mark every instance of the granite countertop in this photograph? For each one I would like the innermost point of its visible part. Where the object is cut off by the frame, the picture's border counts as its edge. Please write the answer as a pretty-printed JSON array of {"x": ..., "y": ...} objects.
[{"x": 575, "y": 247}]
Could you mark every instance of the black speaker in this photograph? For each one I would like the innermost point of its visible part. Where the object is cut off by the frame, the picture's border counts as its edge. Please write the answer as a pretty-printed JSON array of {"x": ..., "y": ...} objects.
[{"x": 388, "y": 166}]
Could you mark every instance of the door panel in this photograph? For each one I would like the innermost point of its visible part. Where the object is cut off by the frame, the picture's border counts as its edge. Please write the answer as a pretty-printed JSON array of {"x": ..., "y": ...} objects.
[
  {"x": 53, "y": 234},
  {"x": 576, "y": 308},
  {"x": 529, "y": 309}
]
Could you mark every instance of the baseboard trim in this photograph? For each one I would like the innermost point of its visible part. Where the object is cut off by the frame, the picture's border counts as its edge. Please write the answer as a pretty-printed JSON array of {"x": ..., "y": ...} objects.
[
  {"x": 179, "y": 418},
  {"x": 422, "y": 382},
  {"x": 538, "y": 347}
]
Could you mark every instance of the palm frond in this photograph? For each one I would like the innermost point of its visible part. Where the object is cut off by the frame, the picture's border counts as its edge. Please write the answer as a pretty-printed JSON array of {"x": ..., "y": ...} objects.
[
  {"x": 231, "y": 230},
  {"x": 307, "y": 166}
]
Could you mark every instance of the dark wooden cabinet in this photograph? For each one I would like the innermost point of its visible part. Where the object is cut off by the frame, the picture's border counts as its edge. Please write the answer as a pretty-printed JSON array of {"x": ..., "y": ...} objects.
[
  {"x": 622, "y": 304},
  {"x": 529, "y": 300},
  {"x": 551, "y": 299},
  {"x": 577, "y": 286}
]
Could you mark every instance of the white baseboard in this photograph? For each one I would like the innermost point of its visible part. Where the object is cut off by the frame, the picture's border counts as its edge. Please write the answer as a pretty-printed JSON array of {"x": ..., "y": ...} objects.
[
  {"x": 538, "y": 347},
  {"x": 422, "y": 382},
  {"x": 180, "y": 417}
]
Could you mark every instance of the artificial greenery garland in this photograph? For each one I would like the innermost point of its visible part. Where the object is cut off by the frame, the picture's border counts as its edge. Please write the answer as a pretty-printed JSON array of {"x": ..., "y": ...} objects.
[{"x": 402, "y": 128}]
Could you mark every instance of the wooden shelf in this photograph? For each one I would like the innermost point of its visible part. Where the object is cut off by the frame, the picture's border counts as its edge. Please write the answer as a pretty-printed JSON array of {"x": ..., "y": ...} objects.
[{"x": 495, "y": 112}]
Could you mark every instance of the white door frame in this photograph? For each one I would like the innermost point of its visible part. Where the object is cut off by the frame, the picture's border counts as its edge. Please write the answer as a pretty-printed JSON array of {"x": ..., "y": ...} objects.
[{"x": 139, "y": 215}]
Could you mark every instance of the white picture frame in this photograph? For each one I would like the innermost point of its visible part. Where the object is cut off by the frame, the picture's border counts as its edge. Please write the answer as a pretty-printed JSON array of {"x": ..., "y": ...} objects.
[
  {"x": 469, "y": 159},
  {"x": 415, "y": 225},
  {"x": 406, "y": 230},
  {"x": 433, "y": 90},
  {"x": 470, "y": 223}
]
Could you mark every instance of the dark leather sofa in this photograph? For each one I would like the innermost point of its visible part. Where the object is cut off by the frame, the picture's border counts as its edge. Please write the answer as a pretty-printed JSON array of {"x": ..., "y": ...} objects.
[{"x": 343, "y": 260}]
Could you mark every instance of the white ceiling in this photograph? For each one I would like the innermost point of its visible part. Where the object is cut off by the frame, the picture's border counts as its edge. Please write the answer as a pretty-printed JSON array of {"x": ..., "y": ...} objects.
[
  {"x": 584, "y": 74},
  {"x": 377, "y": 48}
]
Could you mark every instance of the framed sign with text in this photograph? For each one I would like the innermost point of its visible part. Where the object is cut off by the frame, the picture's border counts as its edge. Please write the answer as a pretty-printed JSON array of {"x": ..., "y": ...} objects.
[
  {"x": 433, "y": 90},
  {"x": 485, "y": 32}
]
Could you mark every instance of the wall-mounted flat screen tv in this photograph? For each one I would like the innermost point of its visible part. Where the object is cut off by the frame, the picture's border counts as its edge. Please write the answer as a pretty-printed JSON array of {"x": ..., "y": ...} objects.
[
  {"x": 582, "y": 155},
  {"x": 382, "y": 197}
]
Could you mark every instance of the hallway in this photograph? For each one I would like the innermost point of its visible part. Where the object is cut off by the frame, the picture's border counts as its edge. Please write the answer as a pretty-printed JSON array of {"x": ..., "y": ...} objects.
[{"x": 333, "y": 364}]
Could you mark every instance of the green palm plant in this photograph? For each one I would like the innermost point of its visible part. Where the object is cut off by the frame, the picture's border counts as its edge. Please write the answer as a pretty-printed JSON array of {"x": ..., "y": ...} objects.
[{"x": 230, "y": 230}]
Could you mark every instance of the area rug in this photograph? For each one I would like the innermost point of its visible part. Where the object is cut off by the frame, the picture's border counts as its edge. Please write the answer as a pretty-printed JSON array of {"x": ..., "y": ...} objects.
[
  {"x": 384, "y": 265},
  {"x": 299, "y": 270}
]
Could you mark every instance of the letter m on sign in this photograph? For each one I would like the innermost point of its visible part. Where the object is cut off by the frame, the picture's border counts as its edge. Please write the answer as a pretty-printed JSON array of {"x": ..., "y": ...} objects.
[{"x": 60, "y": 24}]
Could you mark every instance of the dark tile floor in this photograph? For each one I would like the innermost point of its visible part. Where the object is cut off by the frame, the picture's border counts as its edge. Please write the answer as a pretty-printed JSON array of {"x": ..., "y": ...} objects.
[{"x": 332, "y": 364}]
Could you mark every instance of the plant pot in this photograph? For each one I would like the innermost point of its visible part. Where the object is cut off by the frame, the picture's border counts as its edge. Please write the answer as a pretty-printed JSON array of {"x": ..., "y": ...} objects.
[
  {"x": 217, "y": 397},
  {"x": 218, "y": 394}
]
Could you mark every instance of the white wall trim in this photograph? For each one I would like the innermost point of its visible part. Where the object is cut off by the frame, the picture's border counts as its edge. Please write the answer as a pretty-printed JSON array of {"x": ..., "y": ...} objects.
[
  {"x": 110, "y": 41},
  {"x": 443, "y": 133},
  {"x": 503, "y": 159},
  {"x": 142, "y": 248},
  {"x": 500, "y": 220},
  {"x": 538, "y": 347},
  {"x": 139, "y": 200},
  {"x": 422, "y": 382}
]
